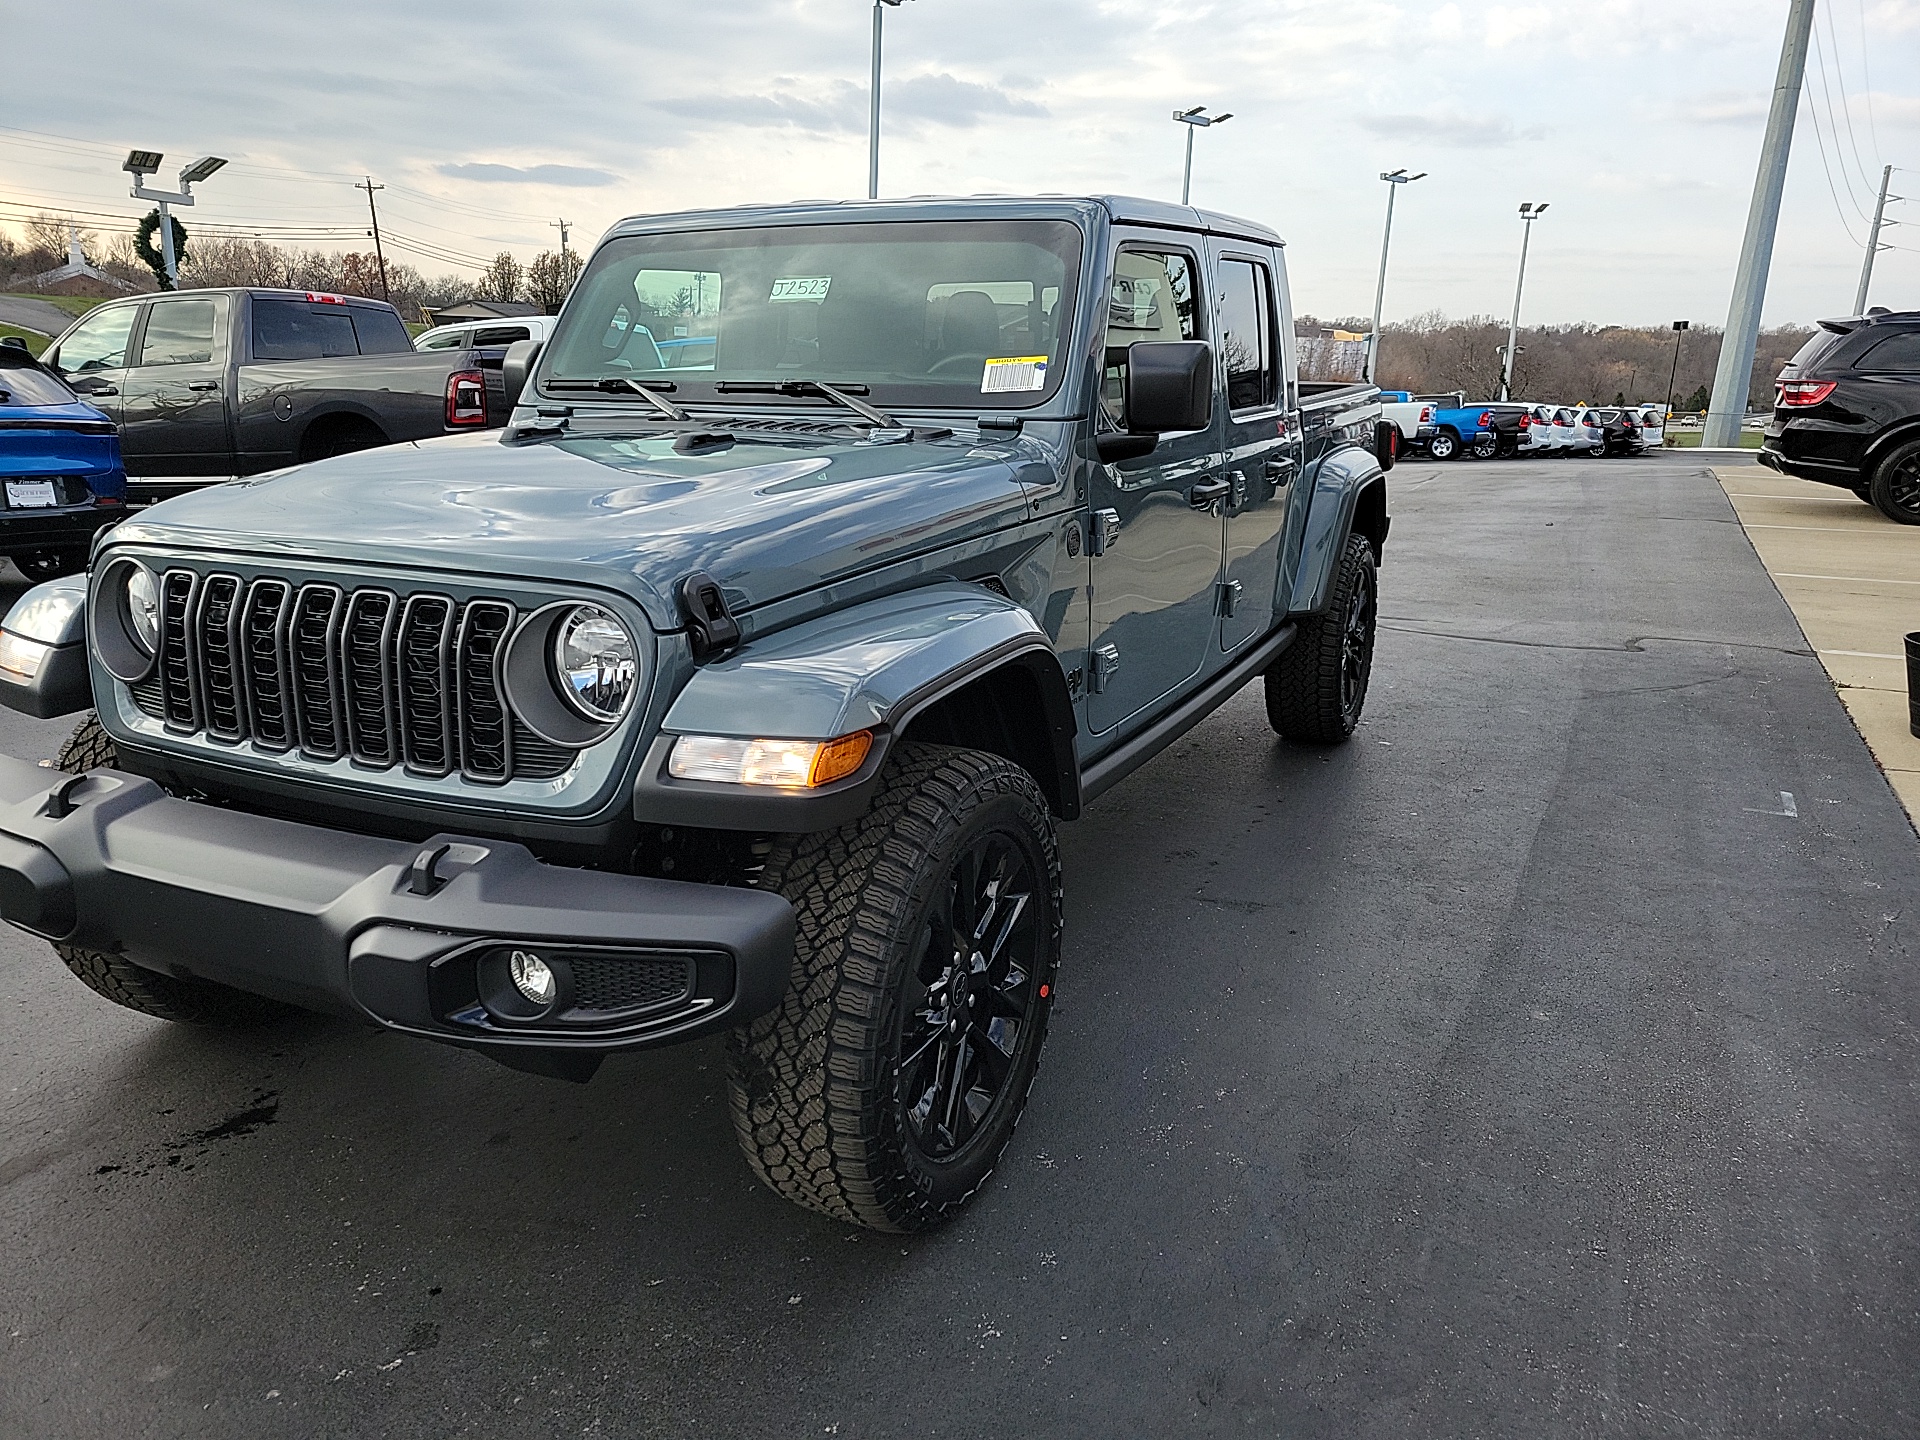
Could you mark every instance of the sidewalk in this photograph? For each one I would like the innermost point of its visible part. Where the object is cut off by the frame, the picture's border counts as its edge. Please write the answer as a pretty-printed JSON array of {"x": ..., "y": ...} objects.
[{"x": 1853, "y": 579}]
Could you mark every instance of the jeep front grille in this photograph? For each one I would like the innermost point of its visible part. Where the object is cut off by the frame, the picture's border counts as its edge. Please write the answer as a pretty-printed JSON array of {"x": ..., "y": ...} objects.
[{"x": 366, "y": 675}]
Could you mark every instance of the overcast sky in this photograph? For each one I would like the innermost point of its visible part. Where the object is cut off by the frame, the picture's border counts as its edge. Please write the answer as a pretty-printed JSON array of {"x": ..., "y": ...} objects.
[{"x": 1638, "y": 120}]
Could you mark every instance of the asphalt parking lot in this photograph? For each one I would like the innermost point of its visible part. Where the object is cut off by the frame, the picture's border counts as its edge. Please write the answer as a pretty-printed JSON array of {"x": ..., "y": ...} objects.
[{"x": 1542, "y": 1063}]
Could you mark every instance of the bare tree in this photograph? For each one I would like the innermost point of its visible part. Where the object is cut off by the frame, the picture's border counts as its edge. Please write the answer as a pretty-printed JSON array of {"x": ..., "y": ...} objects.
[
  {"x": 503, "y": 278},
  {"x": 550, "y": 276}
]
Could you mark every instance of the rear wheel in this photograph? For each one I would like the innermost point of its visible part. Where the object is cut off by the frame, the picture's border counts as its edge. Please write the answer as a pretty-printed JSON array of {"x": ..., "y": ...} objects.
[
  {"x": 165, "y": 997},
  {"x": 1485, "y": 447},
  {"x": 886, "y": 1085},
  {"x": 1895, "y": 488},
  {"x": 1444, "y": 445},
  {"x": 1318, "y": 687}
]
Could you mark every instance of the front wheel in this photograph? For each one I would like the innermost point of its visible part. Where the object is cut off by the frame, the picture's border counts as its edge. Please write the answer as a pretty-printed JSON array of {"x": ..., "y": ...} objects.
[
  {"x": 1318, "y": 687},
  {"x": 1895, "y": 487},
  {"x": 886, "y": 1085}
]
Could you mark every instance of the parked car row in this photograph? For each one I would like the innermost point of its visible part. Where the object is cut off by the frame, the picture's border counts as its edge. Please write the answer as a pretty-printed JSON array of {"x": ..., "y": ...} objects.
[{"x": 1446, "y": 427}]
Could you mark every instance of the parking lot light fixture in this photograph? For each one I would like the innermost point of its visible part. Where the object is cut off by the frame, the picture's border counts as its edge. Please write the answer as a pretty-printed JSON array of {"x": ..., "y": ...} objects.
[
  {"x": 142, "y": 163},
  {"x": 1680, "y": 328},
  {"x": 1195, "y": 119},
  {"x": 1395, "y": 179},
  {"x": 1529, "y": 212}
]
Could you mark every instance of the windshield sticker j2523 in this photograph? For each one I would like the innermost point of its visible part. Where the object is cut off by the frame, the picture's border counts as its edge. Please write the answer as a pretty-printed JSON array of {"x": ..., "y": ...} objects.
[{"x": 790, "y": 288}]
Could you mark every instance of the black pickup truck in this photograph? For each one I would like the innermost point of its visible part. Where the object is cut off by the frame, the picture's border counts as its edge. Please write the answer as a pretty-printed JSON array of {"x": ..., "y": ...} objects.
[{"x": 209, "y": 384}]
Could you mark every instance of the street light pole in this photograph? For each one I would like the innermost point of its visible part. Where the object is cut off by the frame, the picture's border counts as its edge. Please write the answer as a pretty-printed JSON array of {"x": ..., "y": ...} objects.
[
  {"x": 1529, "y": 212},
  {"x": 1680, "y": 328},
  {"x": 873, "y": 113},
  {"x": 1395, "y": 179},
  {"x": 1195, "y": 119},
  {"x": 1874, "y": 247},
  {"x": 142, "y": 163}
]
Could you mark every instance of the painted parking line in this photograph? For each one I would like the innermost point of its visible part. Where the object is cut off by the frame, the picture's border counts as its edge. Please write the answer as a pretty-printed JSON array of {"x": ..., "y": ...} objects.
[
  {"x": 1845, "y": 579},
  {"x": 1861, "y": 654},
  {"x": 1817, "y": 529},
  {"x": 1768, "y": 495}
]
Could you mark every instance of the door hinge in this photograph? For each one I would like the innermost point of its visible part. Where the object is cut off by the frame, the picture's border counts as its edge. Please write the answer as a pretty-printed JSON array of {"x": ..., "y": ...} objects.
[
  {"x": 1226, "y": 595},
  {"x": 1105, "y": 661},
  {"x": 1103, "y": 530}
]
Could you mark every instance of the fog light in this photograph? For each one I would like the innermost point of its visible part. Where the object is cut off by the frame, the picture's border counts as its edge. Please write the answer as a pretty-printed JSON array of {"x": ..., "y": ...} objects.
[
  {"x": 21, "y": 658},
  {"x": 532, "y": 976},
  {"x": 790, "y": 764}
]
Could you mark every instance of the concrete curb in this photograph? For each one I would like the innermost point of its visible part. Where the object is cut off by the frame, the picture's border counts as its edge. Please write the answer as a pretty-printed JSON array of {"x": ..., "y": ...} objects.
[{"x": 1751, "y": 456}]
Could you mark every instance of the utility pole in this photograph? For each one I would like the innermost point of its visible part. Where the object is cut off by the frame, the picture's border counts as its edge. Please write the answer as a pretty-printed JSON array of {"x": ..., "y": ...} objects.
[
  {"x": 1680, "y": 328},
  {"x": 1734, "y": 375},
  {"x": 1873, "y": 242},
  {"x": 561, "y": 226},
  {"x": 379, "y": 255},
  {"x": 1529, "y": 212},
  {"x": 1395, "y": 179}
]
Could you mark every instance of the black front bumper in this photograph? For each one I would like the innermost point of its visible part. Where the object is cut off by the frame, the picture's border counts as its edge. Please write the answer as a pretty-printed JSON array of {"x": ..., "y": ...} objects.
[
  {"x": 55, "y": 528},
  {"x": 405, "y": 934}
]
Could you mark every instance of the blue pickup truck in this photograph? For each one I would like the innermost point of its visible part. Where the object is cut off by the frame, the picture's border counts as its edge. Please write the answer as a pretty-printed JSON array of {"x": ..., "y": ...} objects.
[
  {"x": 1463, "y": 430},
  {"x": 741, "y": 697}
]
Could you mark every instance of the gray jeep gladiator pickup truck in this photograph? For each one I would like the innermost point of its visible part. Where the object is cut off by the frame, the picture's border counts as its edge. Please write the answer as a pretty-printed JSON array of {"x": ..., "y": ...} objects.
[
  {"x": 737, "y": 697},
  {"x": 207, "y": 384}
]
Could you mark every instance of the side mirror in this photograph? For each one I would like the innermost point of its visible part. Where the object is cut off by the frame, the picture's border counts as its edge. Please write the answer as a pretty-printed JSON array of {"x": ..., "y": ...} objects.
[
  {"x": 516, "y": 366},
  {"x": 1169, "y": 386},
  {"x": 14, "y": 342}
]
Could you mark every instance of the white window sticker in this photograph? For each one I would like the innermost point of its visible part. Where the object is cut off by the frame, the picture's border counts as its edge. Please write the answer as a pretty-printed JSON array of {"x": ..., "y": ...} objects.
[
  {"x": 790, "y": 288},
  {"x": 1006, "y": 374}
]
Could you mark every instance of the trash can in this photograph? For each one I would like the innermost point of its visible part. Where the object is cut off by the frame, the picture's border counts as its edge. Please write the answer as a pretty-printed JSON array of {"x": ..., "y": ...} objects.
[{"x": 1913, "y": 682}]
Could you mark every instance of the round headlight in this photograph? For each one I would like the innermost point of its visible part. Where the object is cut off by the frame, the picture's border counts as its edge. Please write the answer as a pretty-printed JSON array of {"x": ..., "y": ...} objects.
[
  {"x": 595, "y": 663},
  {"x": 143, "y": 607}
]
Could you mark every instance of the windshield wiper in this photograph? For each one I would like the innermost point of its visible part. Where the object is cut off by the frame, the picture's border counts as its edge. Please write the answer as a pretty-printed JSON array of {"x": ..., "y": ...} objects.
[
  {"x": 812, "y": 387},
  {"x": 621, "y": 385}
]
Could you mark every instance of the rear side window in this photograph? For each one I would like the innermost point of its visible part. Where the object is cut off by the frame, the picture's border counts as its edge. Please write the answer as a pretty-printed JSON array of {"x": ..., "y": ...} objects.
[
  {"x": 1818, "y": 344},
  {"x": 1246, "y": 335},
  {"x": 501, "y": 335},
  {"x": 380, "y": 331},
  {"x": 29, "y": 385},
  {"x": 296, "y": 330},
  {"x": 452, "y": 340},
  {"x": 179, "y": 332},
  {"x": 1897, "y": 354}
]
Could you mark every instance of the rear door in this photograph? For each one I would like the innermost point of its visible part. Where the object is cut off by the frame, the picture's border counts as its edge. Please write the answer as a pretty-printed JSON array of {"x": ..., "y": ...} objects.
[
  {"x": 174, "y": 406},
  {"x": 1262, "y": 452},
  {"x": 1156, "y": 551}
]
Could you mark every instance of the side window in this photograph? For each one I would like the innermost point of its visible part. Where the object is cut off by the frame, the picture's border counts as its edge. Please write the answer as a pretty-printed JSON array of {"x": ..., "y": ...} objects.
[
  {"x": 99, "y": 342},
  {"x": 297, "y": 330},
  {"x": 501, "y": 335},
  {"x": 379, "y": 332},
  {"x": 1246, "y": 335},
  {"x": 179, "y": 332},
  {"x": 1897, "y": 354},
  {"x": 1153, "y": 297},
  {"x": 452, "y": 340}
]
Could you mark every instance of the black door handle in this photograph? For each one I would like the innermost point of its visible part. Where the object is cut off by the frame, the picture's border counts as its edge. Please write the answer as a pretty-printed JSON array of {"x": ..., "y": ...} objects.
[
  {"x": 1279, "y": 469},
  {"x": 204, "y": 385},
  {"x": 1208, "y": 491}
]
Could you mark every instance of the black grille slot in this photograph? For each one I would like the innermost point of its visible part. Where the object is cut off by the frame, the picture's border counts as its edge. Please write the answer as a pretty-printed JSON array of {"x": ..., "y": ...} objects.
[
  {"x": 383, "y": 678},
  {"x": 365, "y": 646},
  {"x": 217, "y": 631},
  {"x": 263, "y": 645},
  {"x": 316, "y": 691},
  {"x": 486, "y": 743},
  {"x": 605, "y": 983},
  {"x": 178, "y": 702},
  {"x": 426, "y": 714}
]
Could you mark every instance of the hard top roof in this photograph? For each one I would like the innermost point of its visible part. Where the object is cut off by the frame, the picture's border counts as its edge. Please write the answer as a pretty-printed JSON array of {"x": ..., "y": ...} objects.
[{"x": 1122, "y": 209}]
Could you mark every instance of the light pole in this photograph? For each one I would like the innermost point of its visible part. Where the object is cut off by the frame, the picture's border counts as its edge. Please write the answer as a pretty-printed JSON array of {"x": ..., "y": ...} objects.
[
  {"x": 1680, "y": 328},
  {"x": 141, "y": 163},
  {"x": 1529, "y": 212},
  {"x": 873, "y": 114},
  {"x": 1195, "y": 119},
  {"x": 1395, "y": 179}
]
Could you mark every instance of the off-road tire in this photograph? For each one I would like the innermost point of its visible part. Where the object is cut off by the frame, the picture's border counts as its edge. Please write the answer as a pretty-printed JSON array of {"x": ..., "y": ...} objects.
[
  {"x": 165, "y": 997},
  {"x": 1443, "y": 445},
  {"x": 1894, "y": 489},
  {"x": 817, "y": 1088},
  {"x": 1317, "y": 689}
]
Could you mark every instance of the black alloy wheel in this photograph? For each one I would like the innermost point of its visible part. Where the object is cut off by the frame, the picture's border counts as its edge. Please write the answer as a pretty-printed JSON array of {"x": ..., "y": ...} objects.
[
  {"x": 970, "y": 995},
  {"x": 1356, "y": 647},
  {"x": 1895, "y": 488},
  {"x": 1317, "y": 689}
]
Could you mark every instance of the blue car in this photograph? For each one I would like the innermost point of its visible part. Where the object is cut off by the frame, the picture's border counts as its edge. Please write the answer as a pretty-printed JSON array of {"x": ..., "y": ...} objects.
[{"x": 60, "y": 473}]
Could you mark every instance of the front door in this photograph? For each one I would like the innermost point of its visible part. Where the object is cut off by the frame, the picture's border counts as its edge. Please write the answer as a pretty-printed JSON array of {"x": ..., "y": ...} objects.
[
  {"x": 93, "y": 357},
  {"x": 1263, "y": 456},
  {"x": 1155, "y": 542},
  {"x": 174, "y": 398}
]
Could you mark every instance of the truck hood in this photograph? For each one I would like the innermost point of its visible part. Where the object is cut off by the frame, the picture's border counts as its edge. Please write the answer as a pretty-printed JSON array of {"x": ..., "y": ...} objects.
[{"x": 771, "y": 516}]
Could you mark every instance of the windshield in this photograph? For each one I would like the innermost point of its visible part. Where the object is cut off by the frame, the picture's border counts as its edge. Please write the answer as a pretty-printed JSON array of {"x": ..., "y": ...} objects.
[{"x": 968, "y": 313}]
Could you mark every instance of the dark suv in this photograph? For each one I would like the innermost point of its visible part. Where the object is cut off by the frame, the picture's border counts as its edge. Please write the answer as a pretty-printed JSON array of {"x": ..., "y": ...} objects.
[{"x": 1847, "y": 412}]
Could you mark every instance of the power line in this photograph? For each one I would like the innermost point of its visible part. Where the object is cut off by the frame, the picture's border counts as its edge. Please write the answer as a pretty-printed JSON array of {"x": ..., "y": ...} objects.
[
  {"x": 1866, "y": 70},
  {"x": 1846, "y": 105},
  {"x": 1813, "y": 117},
  {"x": 1833, "y": 126}
]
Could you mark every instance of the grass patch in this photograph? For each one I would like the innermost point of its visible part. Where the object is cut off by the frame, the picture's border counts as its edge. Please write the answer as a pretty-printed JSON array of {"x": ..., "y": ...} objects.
[
  {"x": 35, "y": 343},
  {"x": 1690, "y": 439},
  {"x": 74, "y": 305}
]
